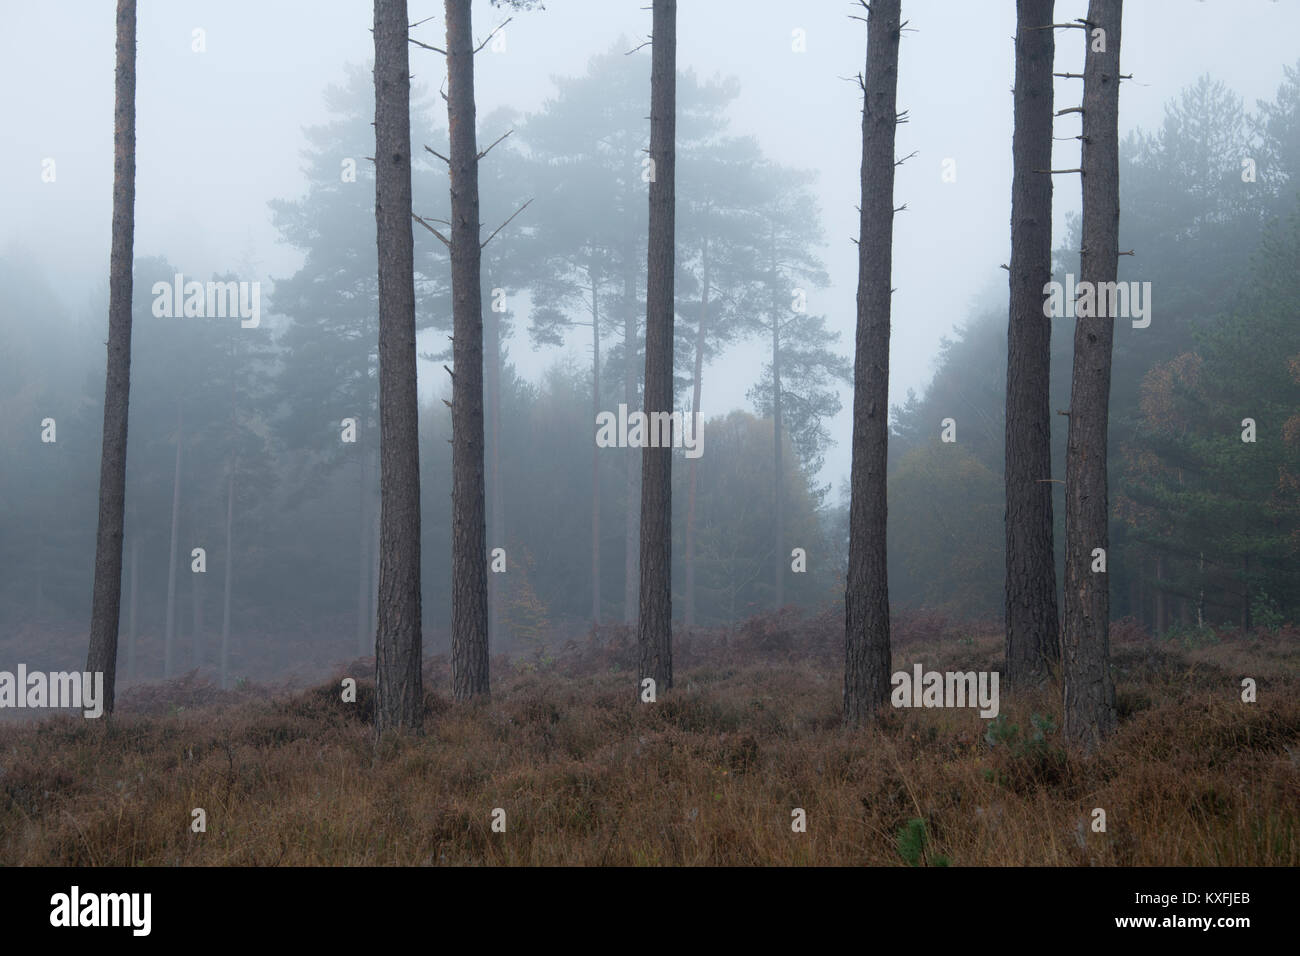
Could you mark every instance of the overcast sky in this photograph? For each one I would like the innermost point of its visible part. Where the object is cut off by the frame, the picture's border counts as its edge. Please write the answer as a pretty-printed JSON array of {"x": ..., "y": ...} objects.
[{"x": 219, "y": 133}]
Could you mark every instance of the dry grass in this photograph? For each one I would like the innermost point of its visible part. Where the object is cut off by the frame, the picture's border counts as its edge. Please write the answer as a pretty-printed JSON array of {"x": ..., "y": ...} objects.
[{"x": 708, "y": 775}]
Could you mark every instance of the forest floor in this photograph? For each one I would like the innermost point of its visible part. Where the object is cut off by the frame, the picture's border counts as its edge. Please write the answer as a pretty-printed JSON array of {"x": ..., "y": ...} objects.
[{"x": 710, "y": 774}]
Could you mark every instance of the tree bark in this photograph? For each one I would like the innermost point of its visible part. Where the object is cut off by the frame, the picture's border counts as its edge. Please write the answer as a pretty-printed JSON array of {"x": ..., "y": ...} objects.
[
  {"x": 365, "y": 635},
  {"x": 595, "y": 451},
  {"x": 688, "y": 618},
  {"x": 399, "y": 695},
  {"x": 106, "y": 597},
  {"x": 134, "y": 632},
  {"x": 230, "y": 564},
  {"x": 469, "y": 624},
  {"x": 196, "y": 629},
  {"x": 1033, "y": 638},
  {"x": 496, "y": 511},
  {"x": 1089, "y": 714},
  {"x": 654, "y": 626},
  {"x": 169, "y": 639},
  {"x": 1200, "y": 593},
  {"x": 376, "y": 535},
  {"x": 866, "y": 598},
  {"x": 778, "y": 486},
  {"x": 631, "y": 535}
]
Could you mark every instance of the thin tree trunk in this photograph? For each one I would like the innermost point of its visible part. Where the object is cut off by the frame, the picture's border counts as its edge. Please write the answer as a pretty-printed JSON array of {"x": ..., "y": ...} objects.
[
  {"x": 1089, "y": 713},
  {"x": 778, "y": 486},
  {"x": 376, "y": 536},
  {"x": 399, "y": 695},
  {"x": 469, "y": 624},
  {"x": 196, "y": 632},
  {"x": 595, "y": 452},
  {"x": 689, "y": 615},
  {"x": 1200, "y": 594},
  {"x": 496, "y": 500},
  {"x": 365, "y": 636},
  {"x": 106, "y": 598},
  {"x": 135, "y": 590},
  {"x": 169, "y": 639},
  {"x": 654, "y": 625},
  {"x": 866, "y": 598},
  {"x": 1033, "y": 639},
  {"x": 230, "y": 564},
  {"x": 631, "y": 530}
]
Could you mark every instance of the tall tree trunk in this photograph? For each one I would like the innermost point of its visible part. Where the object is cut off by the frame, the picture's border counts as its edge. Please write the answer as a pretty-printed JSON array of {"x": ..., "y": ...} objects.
[
  {"x": 230, "y": 564},
  {"x": 1033, "y": 639},
  {"x": 866, "y": 597},
  {"x": 496, "y": 501},
  {"x": 595, "y": 451},
  {"x": 1200, "y": 594},
  {"x": 106, "y": 598},
  {"x": 376, "y": 535},
  {"x": 654, "y": 625},
  {"x": 169, "y": 638},
  {"x": 469, "y": 624},
  {"x": 399, "y": 695},
  {"x": 778, "y": 485},
  {"x": 133, "y": 631},
  {"x": 1089, "y": 714},
  {"x": 365, "y": 636},
  {"x": 196, "y": 630},
  {"x": 631, "y": 535},
  {"x": 689, "y": 616}
]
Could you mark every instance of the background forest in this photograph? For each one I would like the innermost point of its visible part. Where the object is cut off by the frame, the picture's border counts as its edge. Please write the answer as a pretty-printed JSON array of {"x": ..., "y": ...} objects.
[
  {"x": 377, "y": 582},
  {"x": 236, "y": 436}
]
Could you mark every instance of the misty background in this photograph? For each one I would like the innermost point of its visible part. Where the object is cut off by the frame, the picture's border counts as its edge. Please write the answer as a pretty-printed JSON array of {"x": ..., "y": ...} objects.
[{"x": 230, "y": 182}]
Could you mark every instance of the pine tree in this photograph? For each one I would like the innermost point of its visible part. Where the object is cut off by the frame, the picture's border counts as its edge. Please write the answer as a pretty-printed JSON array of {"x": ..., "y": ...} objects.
[
  {"x": 399, "y": 694},
  {"x": 1033, "y": 640},
  {"x": 107, "y": 599},
  {"x": 1089, "y": 690},
  {"x": 654, "y": 624},
  {"x": 866, "y": 597}
]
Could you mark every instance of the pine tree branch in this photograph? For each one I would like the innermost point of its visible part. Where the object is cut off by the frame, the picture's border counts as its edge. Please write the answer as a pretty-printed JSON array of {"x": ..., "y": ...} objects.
[
  {"x": 499, "y": 28},
  {"x": 489, "y": 149},
  {"x": 445, "y": 241},
  {"x": 426, "y": 46},
  {"x": 504, "y": 224}
]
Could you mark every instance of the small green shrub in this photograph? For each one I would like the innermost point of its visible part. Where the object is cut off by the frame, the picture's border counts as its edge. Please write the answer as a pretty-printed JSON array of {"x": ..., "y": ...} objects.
[{"x": 912, "y": 842}]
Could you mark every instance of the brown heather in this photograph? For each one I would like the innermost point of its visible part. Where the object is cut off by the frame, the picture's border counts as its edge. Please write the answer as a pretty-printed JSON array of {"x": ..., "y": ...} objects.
[{"x": 708, "y": 775}]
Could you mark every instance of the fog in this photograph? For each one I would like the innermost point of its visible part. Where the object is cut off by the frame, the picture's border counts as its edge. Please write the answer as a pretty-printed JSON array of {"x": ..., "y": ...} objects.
[{"x": 220, "y": 135}]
